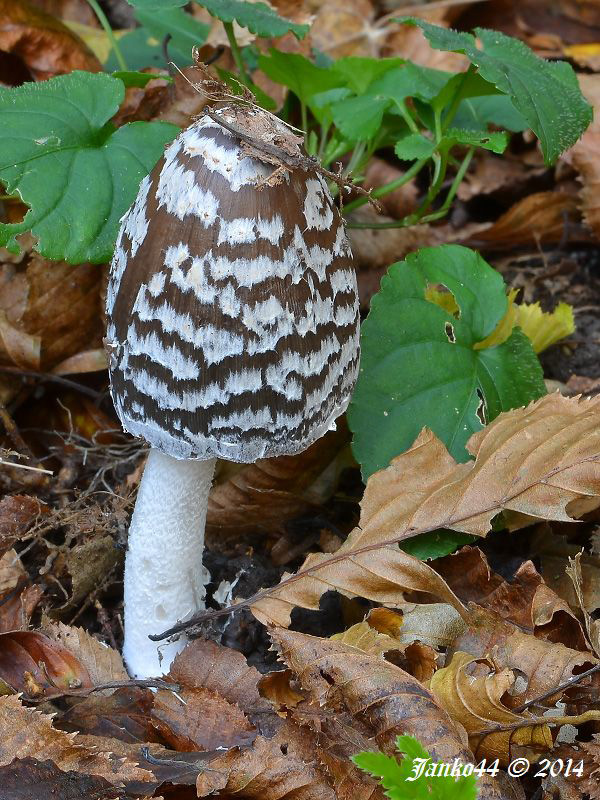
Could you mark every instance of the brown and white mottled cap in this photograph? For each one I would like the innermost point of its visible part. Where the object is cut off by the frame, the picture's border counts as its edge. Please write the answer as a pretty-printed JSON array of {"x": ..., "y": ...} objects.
[{"x": 232, "y": 304}]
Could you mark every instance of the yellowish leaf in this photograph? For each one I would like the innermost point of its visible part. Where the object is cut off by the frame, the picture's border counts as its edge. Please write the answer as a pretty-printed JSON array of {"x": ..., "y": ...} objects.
[{"x": 545, "y": 328}]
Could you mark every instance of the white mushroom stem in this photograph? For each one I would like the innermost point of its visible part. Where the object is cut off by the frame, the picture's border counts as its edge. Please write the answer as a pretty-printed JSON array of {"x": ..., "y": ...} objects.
[{"x": 164, "y": 575}]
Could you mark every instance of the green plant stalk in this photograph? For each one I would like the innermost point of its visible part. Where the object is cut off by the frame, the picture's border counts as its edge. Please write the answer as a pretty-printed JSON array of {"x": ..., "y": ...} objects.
[
  {"x": 417, "y": 216},
  {"x": 109, "y": 32},
  {"x": 355, "y": 158},
  {"x": 304, "y": 120},
  {"x": 236, "y": 53},
  {"x": 401, "y": 106},
  {"x": 388, "y": 187}
]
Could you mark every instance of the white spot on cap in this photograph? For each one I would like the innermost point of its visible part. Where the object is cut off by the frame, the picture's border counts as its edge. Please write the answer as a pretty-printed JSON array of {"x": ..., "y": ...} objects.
[{"x": 317, "y": 210}]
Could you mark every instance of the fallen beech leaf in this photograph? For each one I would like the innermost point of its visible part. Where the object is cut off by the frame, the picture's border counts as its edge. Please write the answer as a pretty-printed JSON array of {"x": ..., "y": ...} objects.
[
  {"x": 121, "y": 714},
  {"x": 278, "y": 689},
  {"x": 27, "y": 733},
  {"x": 263, "y": 496},
  {"x": 35, "y": 665},
  {"x": 17, "y": 512},
  {"x": 44, "y": 44},
  {"x": 533, "y": 460},
  {"x": 592, "y": 626},
  {"x": 18, "y": 598},
  {"x": 379, "y": 694},
  {"x": 539, "y": 217},
  {"x": 435, "y": 624},
  {"x": 543, "y": 665},
  {"x": 103, "y": 663},
  {"x": 278, "y": 768},
  {"x": 545, "y": 328},
  {"x": 86, "y": 361},
  {"x": 88, "y": 564},
  {"x": 471, "y": 691},
  {"x": 585, "y": 157},
  {"x": 58, "y": 316},
  {"x": 491, "y": 174},
  {"x": 200, "y": 719},
  {"x": 587, "y": 783},
  {"x": 26, "y": 778},
  {"x": 365, "y": 638},
  {"x": 526, "y": 601}
]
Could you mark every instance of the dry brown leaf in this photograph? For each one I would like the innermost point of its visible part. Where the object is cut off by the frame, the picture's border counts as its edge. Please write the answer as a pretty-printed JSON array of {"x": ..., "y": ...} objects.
[
  {"x": 280, "y": 688},
  {"x": 435, "y": 624},
  {"x": 471, "y": 690},
  {"x": 585, "y": 156},
  {"x": 592, "y": 626},
  {"x": 537, "y": 218},
  {"x": 57, "y": 314},
  {"x": 35, "y": 665},
  {"x": 18, "y": 598},
  {"x": 534, "y": 460},
  {"x": 490, "y": 174},
  {"x": 17, "y": 513},
  {"x": 588, "y": 784},
  {"x": 28, "y": 778},
  {"x": 363, "y": 637},
  {"x": 103, "y": 663},
  {"x": 45, "y": 46},
  {"x": 200, "y": 719},
  {"x": 279, "y": 768},
  {"x": 123, "y": 714},
  {"x": 26, "y": 733},
  {"x": 543, "y": 665},
  {"x": 380, "y": 695},
  {"x": 265, "y": 495},
  {"x": 526, "y": 600}
]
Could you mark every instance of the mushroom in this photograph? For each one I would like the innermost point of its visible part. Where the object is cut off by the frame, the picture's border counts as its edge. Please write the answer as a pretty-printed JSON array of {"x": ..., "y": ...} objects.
[{"x": 233, "y": 327}]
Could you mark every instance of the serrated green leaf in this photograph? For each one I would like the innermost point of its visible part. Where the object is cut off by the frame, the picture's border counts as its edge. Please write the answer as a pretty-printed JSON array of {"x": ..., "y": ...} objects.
[
  {"x": 419, "y": 366},
  {"x": 137, "y": 79},
  {"x": 257, "y": 17},
  {"x": 414, "y": 146},
  {"x": 546, "y": 93},
  {"x": 59, "y": 153}
]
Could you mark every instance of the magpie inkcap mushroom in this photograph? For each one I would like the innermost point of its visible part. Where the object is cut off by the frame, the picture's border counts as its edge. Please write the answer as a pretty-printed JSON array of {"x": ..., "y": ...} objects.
[{"x": 233, "y": 327}]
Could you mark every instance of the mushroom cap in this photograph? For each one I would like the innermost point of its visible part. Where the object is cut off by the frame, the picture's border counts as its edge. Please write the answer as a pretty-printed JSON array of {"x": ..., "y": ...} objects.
[{"x": 233, "y": 318}]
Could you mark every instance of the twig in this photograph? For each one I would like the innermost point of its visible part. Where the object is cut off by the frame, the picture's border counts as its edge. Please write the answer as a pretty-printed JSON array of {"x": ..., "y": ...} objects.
[
  {"x": 49, "y": 377},
  {"x": 142, "y": 683},
  {"x": 560, "y": 688}
]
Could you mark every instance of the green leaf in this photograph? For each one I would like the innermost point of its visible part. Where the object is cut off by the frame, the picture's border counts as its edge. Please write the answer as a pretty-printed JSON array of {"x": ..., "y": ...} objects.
[
  {"x": 546, "y": 93},
  {"x": 138, "y": 79},
  {"x": 359, "y": 117},
  {"x": 496, "y": 142},
  {"x": 257, "y": 17},
  {"x": 299, "y": 74},
  {"x": 185, "y": 30},
  {"x": 60, "y": 154},
  {"x": 419, "y": 365},
  {"x": 476, "y": 113},
  {"x": 359, "y": 73},
  {"x": 141, "y": 49},
  {"x": 403, "y": 780},
  {"x": 435, "y": 544},
  {"x": 157, "y": 5},
  {"x": 414, "y": 146}
]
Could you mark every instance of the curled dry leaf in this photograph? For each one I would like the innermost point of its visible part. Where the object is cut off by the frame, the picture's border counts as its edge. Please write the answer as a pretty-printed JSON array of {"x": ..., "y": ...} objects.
[
  {"x": 471, "y": 690},
  {"x": 592, "y": 626},
  {"x": 585, "y": 156},
  {"x": 363, "y": 637},
  {"x": 26, "y": 733},
  {"x": 120, "y": 714},
  {"x": 542, "y": 664},
  {"x": 35, "y": 665},
  {"x": 44, "y": 44},
  {"x": 526, "y": 601},
  {"x": 535, "y": 460},
  {"x": 539, "y": 217}
]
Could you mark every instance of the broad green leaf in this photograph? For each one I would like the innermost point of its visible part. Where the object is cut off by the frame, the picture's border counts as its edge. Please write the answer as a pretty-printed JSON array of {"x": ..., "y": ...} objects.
[
  {"x": 436, "y": 544},
  {"x": 419, "y": 364},
  {"x": 185, "y": 30},
  {"x": 141, "y": 49},
  {"x": 299, "y": 74},
  {"x": 62, "y": 157},
  {"x": 462, "y": 86},
  {"x": 546, "y": 93},
  {"x": 414, "y": 146},
  {"x": 257, "y": 17},
  {"x": 476, "y": 113},
  {"x": 359, "y": 117},
  {"x": 157, "y": 5},
  {"x": 359, "y": 73}
]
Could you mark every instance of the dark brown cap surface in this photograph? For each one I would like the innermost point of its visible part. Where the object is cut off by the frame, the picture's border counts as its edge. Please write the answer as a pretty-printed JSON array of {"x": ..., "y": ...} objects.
[{"x": 232, "y": 306}]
